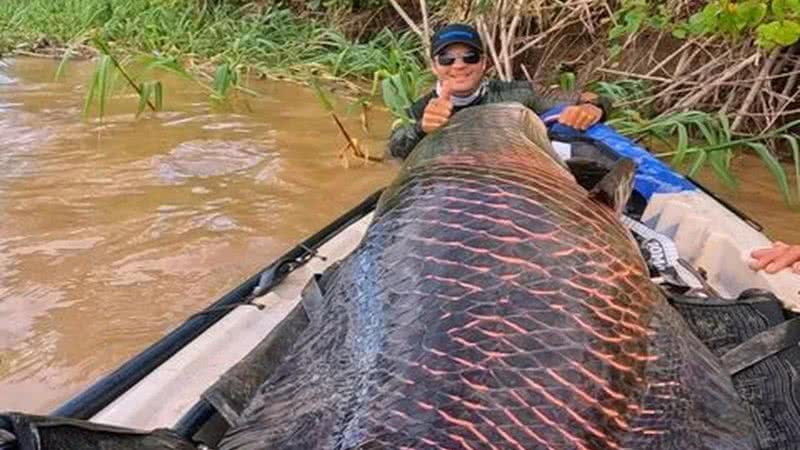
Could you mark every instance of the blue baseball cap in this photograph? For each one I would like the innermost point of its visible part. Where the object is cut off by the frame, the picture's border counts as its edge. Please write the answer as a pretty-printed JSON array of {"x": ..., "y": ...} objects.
[{"x": 456, "y": 33}]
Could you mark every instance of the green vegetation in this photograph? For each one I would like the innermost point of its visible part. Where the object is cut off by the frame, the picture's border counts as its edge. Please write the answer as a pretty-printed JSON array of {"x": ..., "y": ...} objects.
[
  {"x": 272, "y": 42},
  {"x": 701, "y": 139},
  {"x": 133, "y": 70},
  {"x": 771, "y": 23},
  {"x": 705, "y": 79}
]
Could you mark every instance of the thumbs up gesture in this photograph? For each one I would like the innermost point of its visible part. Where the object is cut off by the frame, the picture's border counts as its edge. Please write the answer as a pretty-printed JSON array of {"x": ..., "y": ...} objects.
[{"x": 438, "y": 111}]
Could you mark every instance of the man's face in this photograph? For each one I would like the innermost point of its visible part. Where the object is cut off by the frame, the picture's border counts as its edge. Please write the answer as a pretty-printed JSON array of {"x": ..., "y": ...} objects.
[{"x": 462, "y": 76}]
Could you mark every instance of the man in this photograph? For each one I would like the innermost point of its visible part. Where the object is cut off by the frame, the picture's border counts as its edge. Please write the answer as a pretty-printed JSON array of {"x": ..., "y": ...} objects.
[
  {"x": 776, "y": 258},
  {"x": 459, "y": 64}
]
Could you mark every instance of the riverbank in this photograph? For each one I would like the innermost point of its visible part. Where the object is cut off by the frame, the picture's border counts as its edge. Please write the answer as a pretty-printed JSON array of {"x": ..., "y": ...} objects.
[
  {"x": 679, "y": 76},
  {"x": 267, "y": 42}
]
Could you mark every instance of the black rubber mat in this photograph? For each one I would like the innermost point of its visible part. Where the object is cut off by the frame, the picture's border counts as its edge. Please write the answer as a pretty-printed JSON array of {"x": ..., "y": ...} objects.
[{"x": 760, "y": 347}]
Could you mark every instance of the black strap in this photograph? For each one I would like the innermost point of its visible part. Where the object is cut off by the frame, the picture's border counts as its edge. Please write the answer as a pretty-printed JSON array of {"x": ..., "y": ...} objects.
[
  {"x": 313, "y": 298},
  {"x": 762, "y": 346}
]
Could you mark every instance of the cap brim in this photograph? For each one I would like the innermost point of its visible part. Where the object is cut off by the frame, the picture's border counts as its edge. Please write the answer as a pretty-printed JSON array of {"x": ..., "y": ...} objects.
[{"x": 442, "y": 46}]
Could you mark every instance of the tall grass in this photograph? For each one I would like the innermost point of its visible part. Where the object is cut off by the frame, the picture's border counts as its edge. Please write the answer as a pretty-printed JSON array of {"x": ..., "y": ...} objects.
[
  {"x": 700, "y": 139},
  {"x": 224, "y": 40},
  {"x": 273, "y": 42}
]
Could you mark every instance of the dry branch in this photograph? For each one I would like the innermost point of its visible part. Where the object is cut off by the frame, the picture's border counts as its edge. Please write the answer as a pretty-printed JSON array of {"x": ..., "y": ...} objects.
[
  {"x": 534, "y": 36},
  {"x": 411, "y": 24},
  {"x": 748, "y": 101}
]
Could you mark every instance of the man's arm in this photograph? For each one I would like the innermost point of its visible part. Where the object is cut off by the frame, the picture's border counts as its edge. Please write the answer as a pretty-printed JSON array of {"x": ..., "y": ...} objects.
[
  {"x": 540, "y": 102},
  {"x": 405, "y": 137}
]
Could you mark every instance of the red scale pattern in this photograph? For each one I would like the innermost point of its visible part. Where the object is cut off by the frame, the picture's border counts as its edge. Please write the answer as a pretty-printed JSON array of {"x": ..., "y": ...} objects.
[{"x": 492, "y": 305}]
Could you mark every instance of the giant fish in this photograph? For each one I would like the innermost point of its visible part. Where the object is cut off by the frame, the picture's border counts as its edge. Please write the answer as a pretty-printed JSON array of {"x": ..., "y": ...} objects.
[{"x": 494, "y": 303}]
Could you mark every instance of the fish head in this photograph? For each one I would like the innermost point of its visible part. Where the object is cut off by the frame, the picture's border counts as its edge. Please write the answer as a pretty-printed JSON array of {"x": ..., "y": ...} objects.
[{"x": 505, "y": 130}]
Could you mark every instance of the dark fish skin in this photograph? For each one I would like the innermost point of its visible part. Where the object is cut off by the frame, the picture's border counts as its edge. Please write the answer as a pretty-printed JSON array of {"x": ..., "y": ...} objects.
[
  {"x": 30, "y": 432},
  {"x": 493, "y": 304}
]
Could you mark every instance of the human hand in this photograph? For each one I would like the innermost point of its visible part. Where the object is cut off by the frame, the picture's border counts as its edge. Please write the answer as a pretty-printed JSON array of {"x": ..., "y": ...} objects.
[
  {"x": 438, "y": 111},
  {"x": 581, "y": 116},
  {"x": 776, "y": 258}
]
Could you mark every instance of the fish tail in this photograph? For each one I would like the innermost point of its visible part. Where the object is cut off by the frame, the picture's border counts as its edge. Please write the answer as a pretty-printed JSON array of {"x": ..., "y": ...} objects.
[{"x": 690, "y": 401}]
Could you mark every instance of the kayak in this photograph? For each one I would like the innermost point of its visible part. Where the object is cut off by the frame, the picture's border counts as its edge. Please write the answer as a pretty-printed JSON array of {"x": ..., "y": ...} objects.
[{"x": 195, "y": 381}]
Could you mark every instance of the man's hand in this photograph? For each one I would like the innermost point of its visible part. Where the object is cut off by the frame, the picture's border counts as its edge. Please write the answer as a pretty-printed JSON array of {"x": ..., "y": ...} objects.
[
  {"x": 776, "y": 258},
  {"x": 580, "y": 117},
  {"x": 438, "y": 111}
]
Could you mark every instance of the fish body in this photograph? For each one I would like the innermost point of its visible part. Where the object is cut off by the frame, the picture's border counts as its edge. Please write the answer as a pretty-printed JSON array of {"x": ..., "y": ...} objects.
[{"x": 494, "y": 303}]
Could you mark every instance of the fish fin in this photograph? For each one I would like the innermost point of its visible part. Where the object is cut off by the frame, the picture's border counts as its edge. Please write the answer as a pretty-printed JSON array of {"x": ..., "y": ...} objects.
[
  {"x": 587, "y": 171},
  {"x": 313, "y": 295},
  {"x": 313, "y": 298},
  {"x": 616, "y": 186},
  {"x": 27, "y": 431}
]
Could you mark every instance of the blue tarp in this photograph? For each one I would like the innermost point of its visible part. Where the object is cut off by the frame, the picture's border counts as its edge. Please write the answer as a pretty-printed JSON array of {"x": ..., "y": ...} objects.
[{"x": 652, "y": 175}]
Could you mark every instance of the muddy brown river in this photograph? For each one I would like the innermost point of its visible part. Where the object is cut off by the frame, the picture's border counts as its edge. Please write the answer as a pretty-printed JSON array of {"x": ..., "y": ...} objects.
[{"x": 112, "y": 233}]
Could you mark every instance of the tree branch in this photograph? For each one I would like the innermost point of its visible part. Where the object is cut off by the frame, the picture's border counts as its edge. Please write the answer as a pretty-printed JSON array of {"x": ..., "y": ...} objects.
[{"x": 748, "y": 101}]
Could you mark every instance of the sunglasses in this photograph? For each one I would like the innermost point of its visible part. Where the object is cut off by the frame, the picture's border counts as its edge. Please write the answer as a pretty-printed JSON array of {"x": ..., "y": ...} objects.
[{"x": 468, "y": 58}]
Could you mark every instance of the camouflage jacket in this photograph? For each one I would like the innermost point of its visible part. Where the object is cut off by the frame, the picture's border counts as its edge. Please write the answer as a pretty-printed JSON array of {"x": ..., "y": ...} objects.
[{"x": 405, "y": 137}]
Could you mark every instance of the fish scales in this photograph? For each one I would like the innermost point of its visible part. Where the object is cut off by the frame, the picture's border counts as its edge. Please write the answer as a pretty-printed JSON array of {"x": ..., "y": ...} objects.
[{"x": 493, "y": 305}]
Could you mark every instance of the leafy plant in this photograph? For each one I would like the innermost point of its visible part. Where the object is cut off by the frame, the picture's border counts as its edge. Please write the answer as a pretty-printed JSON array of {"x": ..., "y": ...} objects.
[
  {"x": 336, "y": 4},
  {"x": 401, "y": 82},
  {"x": 351, "y": 143},
  {"x": 633, "y": 16},
  {"x": 150, "y": 91},
  {"x": 103, "y": 81},
  {"x": 622, "y": 91},
  {"x": 705, "y": 139},
  {"x": 567, "y": 80},
  {"x": 774, "y": 23},
  {"x": 99, "y": 87},
  {"x": 225, "y": 78}
]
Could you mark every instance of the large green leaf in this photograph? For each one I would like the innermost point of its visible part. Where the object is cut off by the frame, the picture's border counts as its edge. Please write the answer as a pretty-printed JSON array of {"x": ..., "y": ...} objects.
[
  {"x": 90, "y": 94},
  {"x": 711, "y": 14},
  {"x": 697, "y": 24},
  {"x": 683, "y": 145},
  {"x": 680, "y": 31},
  {"x": 633, "y": 21},
  {"x": 698, "y": 163},
  {"x": 750, "y": 13},
  {"x": 145, "y": 90},
  {"x": 224, "y": 79},
  {"x": 727, "y": 21},
  {"x": 774, "y": 166},
  {"x": 778, "y": 33},
  {"x": 104, "y": 70},
  {"x": 793, "y": 142},
  {"x": 719, "y": 164},
  {"x": 779, "y": 9}
]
